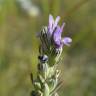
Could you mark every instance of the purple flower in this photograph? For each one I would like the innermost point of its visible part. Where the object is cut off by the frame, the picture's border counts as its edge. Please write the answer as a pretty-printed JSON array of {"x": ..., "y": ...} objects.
[
  {"x": 52, "y": 24},
  {"x": 56, "y": 31}
]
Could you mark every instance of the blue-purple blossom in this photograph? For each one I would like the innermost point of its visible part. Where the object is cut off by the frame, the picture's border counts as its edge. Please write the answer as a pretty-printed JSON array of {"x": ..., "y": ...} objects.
[
  {"x": 52, "y": 24},
  {"x": 55, "y": 31}
]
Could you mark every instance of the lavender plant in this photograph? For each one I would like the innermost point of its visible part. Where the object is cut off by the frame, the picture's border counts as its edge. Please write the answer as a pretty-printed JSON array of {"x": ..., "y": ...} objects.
[{"x": 50, "y": 50}]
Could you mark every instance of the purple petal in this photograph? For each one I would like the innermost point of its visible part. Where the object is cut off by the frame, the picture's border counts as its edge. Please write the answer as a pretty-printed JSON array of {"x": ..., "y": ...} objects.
[
  {"x": 58, "y": 33},
  {"x": 67, "y": 41},
  {"x": 57, "y": 36},
  {"x": 56, "y": 22},
  {"x": 51, "y": 22}
]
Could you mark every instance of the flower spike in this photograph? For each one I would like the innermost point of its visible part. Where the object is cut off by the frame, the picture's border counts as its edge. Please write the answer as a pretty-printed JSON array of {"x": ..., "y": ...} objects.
[{"x": 50, "y": 51}]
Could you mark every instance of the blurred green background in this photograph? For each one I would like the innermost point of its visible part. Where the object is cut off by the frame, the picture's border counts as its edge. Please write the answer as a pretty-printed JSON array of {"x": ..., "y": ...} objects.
[{"x": 19, "y": 45}]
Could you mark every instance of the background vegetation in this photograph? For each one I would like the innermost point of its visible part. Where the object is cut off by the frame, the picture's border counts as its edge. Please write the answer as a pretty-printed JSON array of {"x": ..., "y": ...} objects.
[{"x": 19, "y": 45}]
